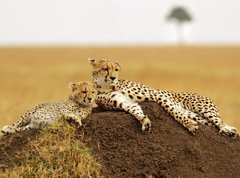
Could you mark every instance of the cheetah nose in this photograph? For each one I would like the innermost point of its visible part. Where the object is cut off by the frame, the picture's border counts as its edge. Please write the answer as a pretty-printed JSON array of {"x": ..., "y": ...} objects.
[
  {"x": 89, "y": 99},
  {"x": 113, "y": 78}
]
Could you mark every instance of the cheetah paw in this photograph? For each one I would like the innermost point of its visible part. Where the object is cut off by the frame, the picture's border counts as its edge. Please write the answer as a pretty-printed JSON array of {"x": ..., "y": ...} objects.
[
  {"x": 228, "y": 131},
  {"x": 71, "y": 118},
  {"x": 146, "y": 124},
  {"x": 192, "y": 127},
  {"x": 7, "y": 129}
]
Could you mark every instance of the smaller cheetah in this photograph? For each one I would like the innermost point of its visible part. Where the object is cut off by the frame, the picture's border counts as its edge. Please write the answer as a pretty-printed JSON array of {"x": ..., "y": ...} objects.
[{"x": 77, "y": 107}]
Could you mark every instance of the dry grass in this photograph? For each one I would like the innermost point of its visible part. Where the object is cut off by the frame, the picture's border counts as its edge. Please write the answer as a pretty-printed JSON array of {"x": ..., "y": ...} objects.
[
  {"x": 30, "y": 76},
  {"x": 56, "y": 152}
]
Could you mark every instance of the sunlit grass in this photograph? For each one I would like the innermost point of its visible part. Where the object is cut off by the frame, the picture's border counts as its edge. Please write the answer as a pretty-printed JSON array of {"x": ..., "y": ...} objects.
[{"x": 56, "y": 152}]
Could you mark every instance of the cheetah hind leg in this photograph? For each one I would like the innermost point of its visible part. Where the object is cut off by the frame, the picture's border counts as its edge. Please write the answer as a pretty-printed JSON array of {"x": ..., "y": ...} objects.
[
  {"x": 200, "y": 120},
  {"x": 228, "y": 131},
  {"x": 224, "y": 129},
  {"x": 7, "y": 129}
]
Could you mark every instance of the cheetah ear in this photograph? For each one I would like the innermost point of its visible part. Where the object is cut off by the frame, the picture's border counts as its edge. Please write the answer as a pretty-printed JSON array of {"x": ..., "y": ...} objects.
[
  {"x": 92, "y": 61},
  {"x": 118, "y": 65},
  {"x": 73, "y": 86}
]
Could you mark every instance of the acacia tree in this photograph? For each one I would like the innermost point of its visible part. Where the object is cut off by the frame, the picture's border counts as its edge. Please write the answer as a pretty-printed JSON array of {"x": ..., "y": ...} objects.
[{"x": 180, "y": 16}]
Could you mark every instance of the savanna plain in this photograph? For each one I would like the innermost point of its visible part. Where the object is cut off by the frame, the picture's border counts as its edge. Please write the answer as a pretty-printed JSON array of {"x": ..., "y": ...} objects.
[{"x": 34, "y": 75}]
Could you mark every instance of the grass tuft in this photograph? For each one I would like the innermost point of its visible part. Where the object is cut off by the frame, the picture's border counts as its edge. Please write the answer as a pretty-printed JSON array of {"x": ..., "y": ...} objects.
[{"x": 56, "y": 152}]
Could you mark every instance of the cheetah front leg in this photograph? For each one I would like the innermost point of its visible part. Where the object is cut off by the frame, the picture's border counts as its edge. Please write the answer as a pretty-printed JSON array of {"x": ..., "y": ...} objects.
[
  {"x": 118, "y": 101},
  {"x": 136, "y": 110},
  {"x": 71, "y": 117}
]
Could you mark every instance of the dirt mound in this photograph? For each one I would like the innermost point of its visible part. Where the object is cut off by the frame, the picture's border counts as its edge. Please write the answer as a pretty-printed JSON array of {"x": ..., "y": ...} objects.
[
  {"x": 11, "y": 147},
  {"x": 168, "y": 151}
]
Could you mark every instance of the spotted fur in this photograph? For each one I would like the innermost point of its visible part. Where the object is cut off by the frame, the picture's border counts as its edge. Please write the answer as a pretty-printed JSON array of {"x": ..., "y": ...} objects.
[
  {"x": 188, "y": 109},
  {"x": 77, "y": 107}
]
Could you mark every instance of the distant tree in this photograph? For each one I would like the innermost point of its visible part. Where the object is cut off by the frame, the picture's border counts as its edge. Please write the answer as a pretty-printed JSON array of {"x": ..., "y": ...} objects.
[{"x": 180, "y": 15}]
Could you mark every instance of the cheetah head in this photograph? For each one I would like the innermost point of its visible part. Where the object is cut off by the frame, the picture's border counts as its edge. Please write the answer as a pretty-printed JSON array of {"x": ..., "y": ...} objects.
[
  {"x": 83, "y": 93},
  {"x": 105, "y": 71}
]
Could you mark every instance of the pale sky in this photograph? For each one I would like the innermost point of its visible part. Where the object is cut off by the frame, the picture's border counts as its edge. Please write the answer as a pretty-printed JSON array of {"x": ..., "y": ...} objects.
[{"x": 89, "y": 22}]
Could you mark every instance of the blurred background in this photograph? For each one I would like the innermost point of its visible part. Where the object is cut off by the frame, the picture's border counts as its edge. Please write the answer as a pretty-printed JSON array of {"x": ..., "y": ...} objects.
[{"x": 187, "y": 45}]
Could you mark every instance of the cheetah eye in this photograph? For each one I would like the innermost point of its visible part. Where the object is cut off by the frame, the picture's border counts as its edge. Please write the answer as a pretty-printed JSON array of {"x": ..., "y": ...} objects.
[
  {"x": 84, "y": 91},
  {"x": 116, "y": 70},
  {"x": 93, "y": 92}
]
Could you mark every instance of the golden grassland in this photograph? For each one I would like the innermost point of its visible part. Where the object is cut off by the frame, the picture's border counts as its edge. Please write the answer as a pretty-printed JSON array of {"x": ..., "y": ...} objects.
[{"x": 30, "y": 76}]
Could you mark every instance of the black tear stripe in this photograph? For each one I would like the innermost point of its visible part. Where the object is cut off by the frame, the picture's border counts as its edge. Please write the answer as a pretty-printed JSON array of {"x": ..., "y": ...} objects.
[
  {"x": 112, "y": 65},
  {"x": 85, "y": 97},
  {"x": 107, "y": 74}
]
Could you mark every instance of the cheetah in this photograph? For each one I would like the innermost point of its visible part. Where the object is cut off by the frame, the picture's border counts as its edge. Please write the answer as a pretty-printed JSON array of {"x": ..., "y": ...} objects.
[
  {"x": 188, "y": 109},
  {"x": 77, "y": 107}
]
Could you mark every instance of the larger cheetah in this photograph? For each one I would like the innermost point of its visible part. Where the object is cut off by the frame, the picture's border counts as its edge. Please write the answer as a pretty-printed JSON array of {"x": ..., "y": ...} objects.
[
  {"x": 188, "y": 109},
  {"x": 77, "y": 107}
]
